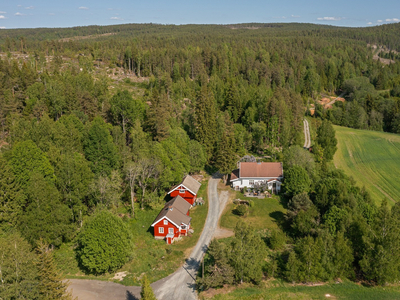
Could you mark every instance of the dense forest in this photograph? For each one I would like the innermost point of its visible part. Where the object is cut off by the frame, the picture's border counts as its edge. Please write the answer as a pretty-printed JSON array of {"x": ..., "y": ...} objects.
[{"x": 96, "y": 118}]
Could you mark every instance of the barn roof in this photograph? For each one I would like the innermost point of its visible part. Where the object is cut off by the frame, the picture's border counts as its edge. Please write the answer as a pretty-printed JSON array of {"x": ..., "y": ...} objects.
[
  {"x": 258, "y": 170},
  {"x": 190, "y": 183},
  {"x": 175, "y": 210}
]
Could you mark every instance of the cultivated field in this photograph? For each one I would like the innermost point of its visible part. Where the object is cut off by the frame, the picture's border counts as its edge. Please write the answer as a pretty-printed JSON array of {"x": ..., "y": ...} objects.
[{"x": 372, "y": 159}]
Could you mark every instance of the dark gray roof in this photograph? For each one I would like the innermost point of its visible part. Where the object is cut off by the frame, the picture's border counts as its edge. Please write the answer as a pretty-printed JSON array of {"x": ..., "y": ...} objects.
[{"x": 175, "y": 210}]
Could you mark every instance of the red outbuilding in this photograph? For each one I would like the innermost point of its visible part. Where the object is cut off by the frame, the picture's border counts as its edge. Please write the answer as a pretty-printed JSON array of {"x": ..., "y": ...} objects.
[
  {"x": 187, "y": 189},
  {"x": 173, "y": 221}
]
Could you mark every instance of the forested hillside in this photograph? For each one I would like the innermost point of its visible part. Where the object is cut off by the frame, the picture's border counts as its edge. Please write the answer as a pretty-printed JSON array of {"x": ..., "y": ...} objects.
[{"x": 109, "y": 118}]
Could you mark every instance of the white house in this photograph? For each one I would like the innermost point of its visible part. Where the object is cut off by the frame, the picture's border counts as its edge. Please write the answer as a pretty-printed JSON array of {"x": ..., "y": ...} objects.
[{"x": 250, "y": 173}]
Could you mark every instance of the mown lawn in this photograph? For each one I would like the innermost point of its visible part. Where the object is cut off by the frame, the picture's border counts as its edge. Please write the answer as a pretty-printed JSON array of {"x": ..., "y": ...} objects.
[
  {"x": 152, "y": 257},
  {"x": 280, "y": 290},
  {"x": 265, "y": 213},
  {"x": 373, "y": 159}
]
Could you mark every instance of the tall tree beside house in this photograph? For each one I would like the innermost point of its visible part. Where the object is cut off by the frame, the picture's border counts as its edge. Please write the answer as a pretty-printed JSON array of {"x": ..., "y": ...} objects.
[
  {"x": 297, "y": 181},
  {"x": 147, "y": 292},
  {"x": 51, "y": 285},
  {"x": 225, "y": 158},
  {"x": 205, "y": 120}
]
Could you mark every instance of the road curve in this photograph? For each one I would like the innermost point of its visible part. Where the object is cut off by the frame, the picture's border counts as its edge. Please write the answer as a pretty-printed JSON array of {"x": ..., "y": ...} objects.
[
  {"x": 177, "y": 286},
  {"x": 307, "y": 137}
]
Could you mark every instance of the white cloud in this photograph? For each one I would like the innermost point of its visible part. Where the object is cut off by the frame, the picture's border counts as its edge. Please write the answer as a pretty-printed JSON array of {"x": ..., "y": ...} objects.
[
  {"x": 2, "y": 12},
  {"x": 294, "y": 16},
  {"x": 2, "y": 17},
  {"x": 369, "y": 23},
  {"x": 393, "y": 20},
  {"x": 29, "y": 7},
  {"x": 83, "y": 7},
  {"x": 329, "y": 19},
  {"x": 19, "y": 14},
  {"x": 2, "y": 27},
  {"x": 116, "y": 18},
  {"x": 19, "y": 5},
  {"x": 380, "y": 21}
]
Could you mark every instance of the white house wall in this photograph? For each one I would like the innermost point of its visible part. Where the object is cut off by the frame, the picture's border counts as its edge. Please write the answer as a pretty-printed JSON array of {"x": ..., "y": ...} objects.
[{"x": 245, "y": 182}]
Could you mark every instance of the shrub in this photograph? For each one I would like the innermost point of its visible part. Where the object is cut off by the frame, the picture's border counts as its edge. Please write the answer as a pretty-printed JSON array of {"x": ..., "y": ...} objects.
[
  {"x": 240, "y": 210},
  {"x": 104, "y": 244}
]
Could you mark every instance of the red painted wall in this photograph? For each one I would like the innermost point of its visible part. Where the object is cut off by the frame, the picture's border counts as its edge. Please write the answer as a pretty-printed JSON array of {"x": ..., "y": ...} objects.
[
  {"x": 188, "y": 196},
  {"x": 166, "y": 227}
]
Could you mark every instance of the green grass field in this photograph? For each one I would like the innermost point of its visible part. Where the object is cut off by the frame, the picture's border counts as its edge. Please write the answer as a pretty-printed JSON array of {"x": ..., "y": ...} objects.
[
  {"x": 266, "y": 213},
  {"x": 373, "y": 159},
  {"x": 280, "y": 290}
]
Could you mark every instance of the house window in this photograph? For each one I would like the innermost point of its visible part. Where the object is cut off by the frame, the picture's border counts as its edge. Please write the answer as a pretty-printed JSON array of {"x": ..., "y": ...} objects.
[
  {"x": 182, "y": 191},
  {"x": 165, "y": 222},
  {"x": 251, "y": 182},
  {"x": 183, "y": 227},
  {"x": 160, "y": 229},
  {"x": 170, "y": 230}
]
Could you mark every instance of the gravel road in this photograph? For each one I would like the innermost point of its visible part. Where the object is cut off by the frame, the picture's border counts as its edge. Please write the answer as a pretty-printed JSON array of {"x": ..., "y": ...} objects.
[
  {"x": 307, "y": 138},
  {"x": 179, "y": 285}
]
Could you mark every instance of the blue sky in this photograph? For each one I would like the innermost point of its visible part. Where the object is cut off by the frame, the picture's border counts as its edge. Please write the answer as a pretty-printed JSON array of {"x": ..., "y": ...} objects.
[{"x": 54, "y": 13}]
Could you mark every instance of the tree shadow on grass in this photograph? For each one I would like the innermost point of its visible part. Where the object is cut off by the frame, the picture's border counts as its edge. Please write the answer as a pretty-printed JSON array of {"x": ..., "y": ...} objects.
[{"x": 280, "y": 220}]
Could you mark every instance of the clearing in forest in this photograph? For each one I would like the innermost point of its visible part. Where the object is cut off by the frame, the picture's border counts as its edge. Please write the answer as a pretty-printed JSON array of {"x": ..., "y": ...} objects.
[{"x": 372, "y": 158}]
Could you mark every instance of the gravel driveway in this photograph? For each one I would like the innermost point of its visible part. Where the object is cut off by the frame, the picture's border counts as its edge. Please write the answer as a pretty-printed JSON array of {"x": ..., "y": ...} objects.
[{"x": 179, "y": 285}]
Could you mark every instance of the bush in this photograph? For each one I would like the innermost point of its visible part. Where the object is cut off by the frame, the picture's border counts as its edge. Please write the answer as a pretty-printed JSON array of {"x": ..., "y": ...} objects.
[
  {"x": 277, "y": 240},
  {"x": 104, "y": 244},
  {"x": 240, "y": 210}
]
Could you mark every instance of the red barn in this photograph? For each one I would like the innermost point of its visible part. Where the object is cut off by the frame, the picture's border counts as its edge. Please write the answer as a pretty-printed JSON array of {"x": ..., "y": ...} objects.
[
  {"x": 187, "y": 189},
  {"x": 173, "y": 221}
]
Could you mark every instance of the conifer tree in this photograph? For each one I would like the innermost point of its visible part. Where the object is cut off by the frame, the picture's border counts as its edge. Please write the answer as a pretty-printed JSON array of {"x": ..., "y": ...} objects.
[
  {"x": 51, "y": 285},
  {"x": 147, "y": 292},
  {"x": 205, "y": 120}
]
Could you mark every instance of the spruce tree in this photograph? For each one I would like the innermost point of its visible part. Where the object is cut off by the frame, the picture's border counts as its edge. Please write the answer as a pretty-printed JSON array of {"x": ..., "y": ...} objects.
[
  {"x": 147, "y": 292},
  {"x": 205, "y": 120},
  {"x": 51, "y": 285}
]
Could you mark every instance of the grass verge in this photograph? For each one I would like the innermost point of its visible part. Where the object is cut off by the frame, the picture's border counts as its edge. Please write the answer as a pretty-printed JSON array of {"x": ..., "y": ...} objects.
[{"x": 279, "y": 290}]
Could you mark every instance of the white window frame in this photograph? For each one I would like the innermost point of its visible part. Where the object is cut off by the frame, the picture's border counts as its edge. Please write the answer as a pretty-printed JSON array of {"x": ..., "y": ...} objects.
[
  {"x": 165, "y": 222},
  {"x": 182, "y": 191},
  {"x": 183, "y": 227},
  {"x": 251, "y": 182},
  {"x": 160, "y": 229},
  {"x": 170, "y": 231}
]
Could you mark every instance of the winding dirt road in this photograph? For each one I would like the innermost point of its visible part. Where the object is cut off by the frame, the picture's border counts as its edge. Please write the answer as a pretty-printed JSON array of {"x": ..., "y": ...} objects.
[{"x": 179, "y": 285}]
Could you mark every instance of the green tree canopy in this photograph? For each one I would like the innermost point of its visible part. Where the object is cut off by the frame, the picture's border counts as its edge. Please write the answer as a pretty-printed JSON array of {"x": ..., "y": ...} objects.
[
  {"x": 104, "y": 244},
  {"x": 296, "y": 180},
  {"x": 27, "y": 158},
  {"x": 326, "y": 139}
]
